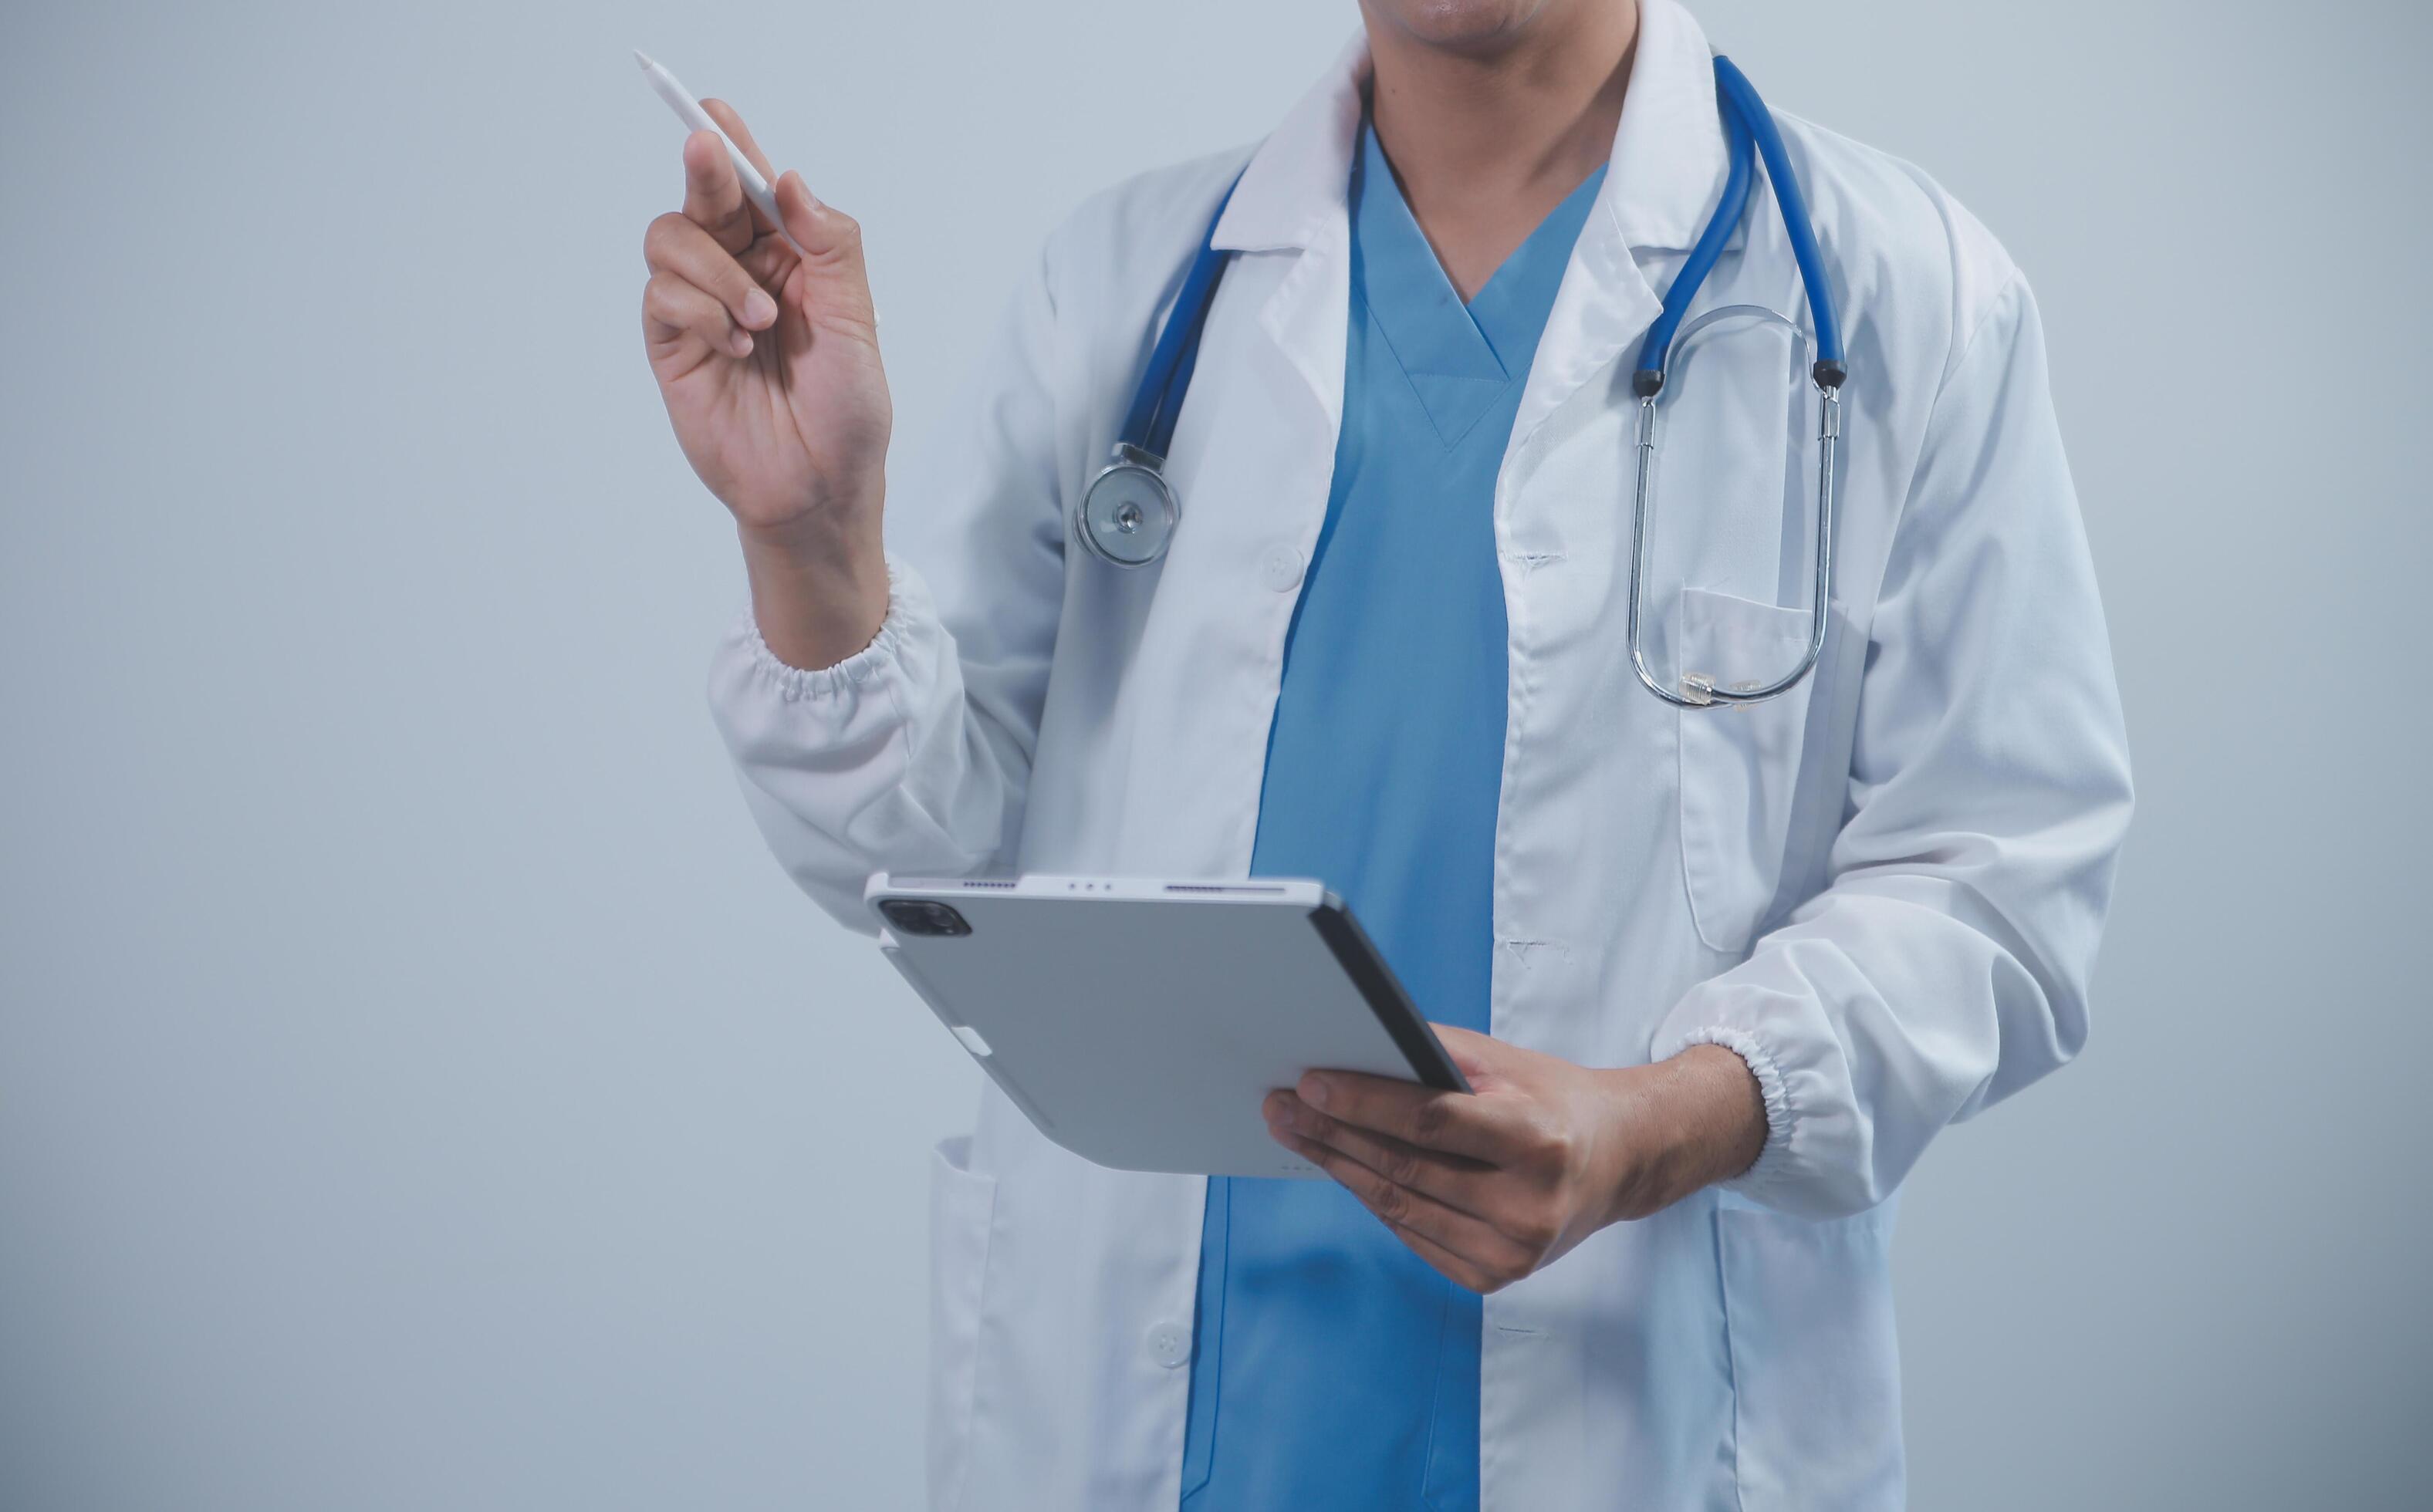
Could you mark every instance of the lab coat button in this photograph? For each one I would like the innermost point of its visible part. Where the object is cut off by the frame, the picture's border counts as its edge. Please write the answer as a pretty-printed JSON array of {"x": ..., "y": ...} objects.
[
  {"x": 1169, "y": 1343},
  {"x": 1280, "y": 570}
]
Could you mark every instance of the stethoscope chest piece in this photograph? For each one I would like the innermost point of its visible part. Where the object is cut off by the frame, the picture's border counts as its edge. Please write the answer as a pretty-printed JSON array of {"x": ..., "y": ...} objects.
[{"x": 1129, "y": 512}]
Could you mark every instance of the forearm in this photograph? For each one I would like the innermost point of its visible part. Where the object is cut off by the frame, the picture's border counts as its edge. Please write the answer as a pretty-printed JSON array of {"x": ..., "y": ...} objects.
[{"x": 818, "y": 585}]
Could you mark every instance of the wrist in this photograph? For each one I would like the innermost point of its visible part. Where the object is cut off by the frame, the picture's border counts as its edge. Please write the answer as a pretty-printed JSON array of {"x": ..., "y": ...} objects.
[
  {"x": 1723, "y": 1126},
  {"x": 818, "y": 586},
  {"x": 1688, "y": 1123}
]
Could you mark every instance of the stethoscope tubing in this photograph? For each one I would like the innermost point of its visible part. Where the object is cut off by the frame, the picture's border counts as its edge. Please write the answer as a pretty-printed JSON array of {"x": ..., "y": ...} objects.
[
  {"x": 1699, "y": 690},
  {"x": 1750, "y": 134},
  {"x": 1149, "y": 426}
]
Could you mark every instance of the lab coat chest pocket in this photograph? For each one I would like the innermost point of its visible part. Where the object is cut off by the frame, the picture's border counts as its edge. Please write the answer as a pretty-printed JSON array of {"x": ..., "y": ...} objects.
[
  {"x": 1815, "y": 1365},
  {"x": 1740, "y": 766},
  {"x": 963, "y": 1208}
]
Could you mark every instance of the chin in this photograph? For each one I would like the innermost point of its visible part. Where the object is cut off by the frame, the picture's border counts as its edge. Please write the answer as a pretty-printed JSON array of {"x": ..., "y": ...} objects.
[{"x": 1463, "y": 24}]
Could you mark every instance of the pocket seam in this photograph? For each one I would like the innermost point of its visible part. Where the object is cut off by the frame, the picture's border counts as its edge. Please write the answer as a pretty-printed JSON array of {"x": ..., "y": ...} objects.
[
  {"x": 1751, "y": 1236},
  {"x": 1731, "y": 1355},
  {"x": 1803, "y": 694},
  {"x": 974, "y": 1205}
]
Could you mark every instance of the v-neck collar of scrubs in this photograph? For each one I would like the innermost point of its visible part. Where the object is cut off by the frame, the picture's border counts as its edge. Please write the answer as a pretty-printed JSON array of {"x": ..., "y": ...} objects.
[{"x": 1459, "y": 358}]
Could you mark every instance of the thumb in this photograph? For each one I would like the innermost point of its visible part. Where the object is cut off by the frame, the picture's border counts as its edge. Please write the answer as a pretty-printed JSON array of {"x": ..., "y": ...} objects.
[
  {"x": 836, "y": 284},
  {"x": 1474, "y": 1053}
]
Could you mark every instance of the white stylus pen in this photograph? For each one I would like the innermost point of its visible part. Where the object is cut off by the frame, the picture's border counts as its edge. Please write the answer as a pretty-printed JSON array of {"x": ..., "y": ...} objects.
[{"x": 688, "y": 110}]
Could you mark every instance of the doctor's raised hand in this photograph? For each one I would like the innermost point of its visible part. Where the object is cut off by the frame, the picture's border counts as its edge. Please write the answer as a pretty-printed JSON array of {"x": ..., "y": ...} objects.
[{"x": 768, "y": 361}]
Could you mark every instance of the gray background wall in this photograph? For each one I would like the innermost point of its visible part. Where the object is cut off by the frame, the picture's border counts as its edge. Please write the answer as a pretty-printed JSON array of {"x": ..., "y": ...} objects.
[{"x": 417, "y": 1087}]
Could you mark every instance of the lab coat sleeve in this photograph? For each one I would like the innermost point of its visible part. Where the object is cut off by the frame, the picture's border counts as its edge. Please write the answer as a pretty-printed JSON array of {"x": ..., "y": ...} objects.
[
  {"x": 914, "y": 755},
  {"x": 1945, "y": 964}
]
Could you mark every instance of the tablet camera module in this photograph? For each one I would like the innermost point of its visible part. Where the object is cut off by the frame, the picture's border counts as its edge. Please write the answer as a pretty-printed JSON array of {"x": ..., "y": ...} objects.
[{"x": 920, "y": 916}]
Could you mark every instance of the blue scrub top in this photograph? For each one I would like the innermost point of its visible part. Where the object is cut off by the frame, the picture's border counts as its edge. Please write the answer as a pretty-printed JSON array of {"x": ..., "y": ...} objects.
[{"x": 1332, "y": 1366}]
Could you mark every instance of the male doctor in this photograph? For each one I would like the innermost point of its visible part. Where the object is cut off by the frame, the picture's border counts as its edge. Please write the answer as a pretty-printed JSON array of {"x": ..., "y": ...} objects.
[{"x": 1718, "y": 975}]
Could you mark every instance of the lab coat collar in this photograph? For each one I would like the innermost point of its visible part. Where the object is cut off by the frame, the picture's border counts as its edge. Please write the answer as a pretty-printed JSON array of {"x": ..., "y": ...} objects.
[
  {"x": 1668, "y": 164},
  {"x": 1666, "y": 169},
  {"x": 1662, "y": 179},
  {"x": 1661, "y": 182},
  {"x": 1297, "y": 186}
]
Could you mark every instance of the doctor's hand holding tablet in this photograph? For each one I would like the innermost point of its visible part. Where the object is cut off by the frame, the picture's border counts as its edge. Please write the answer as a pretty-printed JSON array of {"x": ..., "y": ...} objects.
[
  {"x": 1490, "y": 1186},
  {"x": 761, "y": 331}
]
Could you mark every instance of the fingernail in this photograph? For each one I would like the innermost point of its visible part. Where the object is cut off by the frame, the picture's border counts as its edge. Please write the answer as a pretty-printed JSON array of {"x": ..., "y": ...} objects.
[
  {"x": 759, "y": 308},
  {"x": 1315, "y": 1091},
  {"x": 744, "y": 343}
]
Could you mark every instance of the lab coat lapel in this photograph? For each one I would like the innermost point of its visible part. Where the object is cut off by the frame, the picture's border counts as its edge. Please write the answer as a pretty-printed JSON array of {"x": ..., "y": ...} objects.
[
  {"x": 1664, "y": 177},
  {"x": 1666, "y": 173},
  {"x": 1293, "y": 198}
]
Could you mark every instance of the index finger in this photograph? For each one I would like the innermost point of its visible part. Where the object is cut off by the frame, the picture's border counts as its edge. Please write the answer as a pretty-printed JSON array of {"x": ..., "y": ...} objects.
[
  {"x": 713, "y": 195},
  {"x": 733, "y": 125},
  {"x": 1461, "y": 1123},
  {"x": 741, "y": 135}
]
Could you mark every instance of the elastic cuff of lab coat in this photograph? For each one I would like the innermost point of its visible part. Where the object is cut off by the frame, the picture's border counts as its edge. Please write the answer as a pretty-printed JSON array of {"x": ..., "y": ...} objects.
[
  {"x": 885, "y": 648},
  {"x": 1775, "y": 1157}
]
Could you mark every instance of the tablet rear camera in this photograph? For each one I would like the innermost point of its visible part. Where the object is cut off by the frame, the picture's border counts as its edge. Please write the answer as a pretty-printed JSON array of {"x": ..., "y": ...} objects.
[{"x": 920, "y": 916}]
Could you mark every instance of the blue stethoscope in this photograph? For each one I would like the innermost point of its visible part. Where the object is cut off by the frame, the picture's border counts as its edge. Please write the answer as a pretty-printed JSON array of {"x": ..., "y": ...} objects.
[{"x": 1130, "y": 511}]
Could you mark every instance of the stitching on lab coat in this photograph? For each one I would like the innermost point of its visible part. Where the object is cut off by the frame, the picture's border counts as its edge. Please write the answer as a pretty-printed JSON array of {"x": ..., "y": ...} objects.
[
  {"x": 1731, "y": 1364},
  {"x": 958, "y": 1494},
  {"x": 1530, "y": 561},
  {"x": 1495, "y": 1383},
  {"x": 1436, "y": 1398},
  {"x": 1807, "y": 857},
  {"x": 1521, "y": 689},
  {"x": 1520, "y": 949},
  {"x": 1961, "y": 350}
]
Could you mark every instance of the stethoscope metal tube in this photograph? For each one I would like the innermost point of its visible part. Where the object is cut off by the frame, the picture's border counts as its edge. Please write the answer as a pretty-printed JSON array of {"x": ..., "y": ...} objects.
[
  {"x": 1749, "y": 132},
  {"x": 1700, "y": 690}
]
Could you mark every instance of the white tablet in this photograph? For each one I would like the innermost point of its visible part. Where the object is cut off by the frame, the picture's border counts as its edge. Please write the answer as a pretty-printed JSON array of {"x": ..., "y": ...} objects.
[{"x": 1140, "y": 1024}]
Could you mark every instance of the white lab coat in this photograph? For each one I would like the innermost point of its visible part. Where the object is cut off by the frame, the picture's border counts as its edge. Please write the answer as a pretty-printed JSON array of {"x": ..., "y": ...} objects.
[{"x": 1883, "y": 889}]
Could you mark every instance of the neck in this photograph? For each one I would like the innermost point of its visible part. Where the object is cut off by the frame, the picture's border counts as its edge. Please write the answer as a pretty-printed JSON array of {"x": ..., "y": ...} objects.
[{"x": 1488, "y": 126}]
